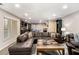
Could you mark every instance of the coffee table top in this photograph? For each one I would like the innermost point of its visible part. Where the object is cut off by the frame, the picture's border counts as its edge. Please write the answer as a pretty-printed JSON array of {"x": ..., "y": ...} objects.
[{"x": 51, "y": 46}]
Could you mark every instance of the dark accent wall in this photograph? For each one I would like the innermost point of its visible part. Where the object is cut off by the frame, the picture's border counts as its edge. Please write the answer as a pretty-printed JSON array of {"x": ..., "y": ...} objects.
[{"x": 59, "y": 25}]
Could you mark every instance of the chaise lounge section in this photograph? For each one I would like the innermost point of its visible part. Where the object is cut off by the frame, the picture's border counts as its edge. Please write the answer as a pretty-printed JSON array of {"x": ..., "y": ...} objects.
[{"x": 23, "y": 46}]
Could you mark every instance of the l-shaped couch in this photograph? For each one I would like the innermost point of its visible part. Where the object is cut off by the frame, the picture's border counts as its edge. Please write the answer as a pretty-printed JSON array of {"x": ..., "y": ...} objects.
[{"x": 25, "y": 41}]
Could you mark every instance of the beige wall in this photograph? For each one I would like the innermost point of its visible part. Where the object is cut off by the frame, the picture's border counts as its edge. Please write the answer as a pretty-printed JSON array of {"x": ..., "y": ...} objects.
[
  {"x": 10, "y": 39},
  {"x": 52, "y": 26}
]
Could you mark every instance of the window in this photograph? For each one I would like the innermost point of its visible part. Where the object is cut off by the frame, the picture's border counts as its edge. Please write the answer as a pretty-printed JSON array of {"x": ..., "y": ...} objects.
[
  {"x": 10, "y": 28},
  {"x": 6, "y": 30}
]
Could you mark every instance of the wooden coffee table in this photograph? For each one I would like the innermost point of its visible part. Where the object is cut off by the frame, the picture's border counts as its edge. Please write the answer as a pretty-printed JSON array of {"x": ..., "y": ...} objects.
[{"x": 49, "y": 47}]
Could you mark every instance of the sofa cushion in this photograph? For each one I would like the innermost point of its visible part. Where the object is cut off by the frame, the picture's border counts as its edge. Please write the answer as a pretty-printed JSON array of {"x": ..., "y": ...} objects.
[
  {"x": 22, "y": 38},
  {"x": 52, "y": 35},
  {"x": 49, "y": 34},
  {"x": 25, "y": 46},
  {"x": 76, "y": 37},
  {"x": 57, "y": 35},
  {"x": 37, "y": 34},
  {"x": 45, "y": 34},
  {"x": 30, "y": 35}
]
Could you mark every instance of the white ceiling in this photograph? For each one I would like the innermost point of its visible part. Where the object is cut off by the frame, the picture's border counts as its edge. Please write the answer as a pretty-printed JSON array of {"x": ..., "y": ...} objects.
[{"x": 40, "y": 11}]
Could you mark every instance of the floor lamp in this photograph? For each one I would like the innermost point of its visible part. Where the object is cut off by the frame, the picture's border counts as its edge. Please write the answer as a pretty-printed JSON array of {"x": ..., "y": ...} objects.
[{"x": 63, "y": 29}]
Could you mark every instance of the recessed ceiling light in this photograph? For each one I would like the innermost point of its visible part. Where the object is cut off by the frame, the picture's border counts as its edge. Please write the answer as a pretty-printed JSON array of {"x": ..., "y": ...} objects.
[
  {"x": 17, "y": 5},
  {"x": 65, "y": 7},
  {"x": 26, "y": 14},
  {"x": 54, "y": 15},
  {"x": 30, "y": 18}
]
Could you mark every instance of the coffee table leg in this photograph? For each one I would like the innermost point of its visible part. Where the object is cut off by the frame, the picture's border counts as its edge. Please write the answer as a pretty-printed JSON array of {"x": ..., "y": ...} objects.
[
  {"x": 59, "y": 52},
  {"x": 63, "y": 52},
  {"x": 39, "y": 53}
]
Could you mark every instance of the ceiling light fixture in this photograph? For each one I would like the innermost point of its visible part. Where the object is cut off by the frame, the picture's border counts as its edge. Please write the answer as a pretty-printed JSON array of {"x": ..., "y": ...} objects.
[
  {"x": 26, "y": 14},
  {"x": 30, "y": 18},
  {"x": 54, "y": 15},
  {"x": 17, "y": 5},
  {"x": 65, "y": 7}
]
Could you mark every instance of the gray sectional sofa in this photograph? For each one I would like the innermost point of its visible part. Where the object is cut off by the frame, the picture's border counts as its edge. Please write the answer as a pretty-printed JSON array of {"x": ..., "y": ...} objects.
[
  {"x": 25, "y": 41},
  {"x": 41, "y": 35}
]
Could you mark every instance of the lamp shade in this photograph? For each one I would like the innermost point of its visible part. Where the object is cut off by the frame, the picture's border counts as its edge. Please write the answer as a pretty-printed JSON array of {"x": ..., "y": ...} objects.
[
  {"x": 63, "y": 29},
  {"x": 67, "y": 33}
]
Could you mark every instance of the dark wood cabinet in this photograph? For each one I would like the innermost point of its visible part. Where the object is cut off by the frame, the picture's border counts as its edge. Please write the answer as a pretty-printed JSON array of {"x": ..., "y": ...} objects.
[
  {"x": 24, "y": 27},
  {"x": 59, "y": 25}
]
